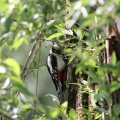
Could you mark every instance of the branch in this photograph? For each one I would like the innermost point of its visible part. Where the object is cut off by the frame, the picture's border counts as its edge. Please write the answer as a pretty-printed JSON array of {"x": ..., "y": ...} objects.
[
  {"x": 37, "y": 71},
  {"x": 39, "y": 38},
  {"x": 34, "y": 69},
  {"x": 100, "y": 109},
  {"x": 31, "y": 62},
  {"x": 4, "y": 38}
]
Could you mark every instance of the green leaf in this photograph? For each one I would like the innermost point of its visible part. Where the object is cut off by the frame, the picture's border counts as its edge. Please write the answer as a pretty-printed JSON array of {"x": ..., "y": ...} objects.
[
  {"x": 15, "y": 99},
  {"x": 17, "y": 81},
  {"x": 34, "y": 64},
  {"x": 65, "y": 31},
  {"x": 3, "y": 6},
  {"x": 25, "y": 107},
  {"x": 54, "y": 112},
  {"x": 88, "y": 23},
  {"x": 34, "y": 74},
  {"x": 64, "y": 107},
  {"x": 23, "y": 89},
  {"x": 55, "y": 35},
  {"x": 60, "y": 27},
  {"x": 13, "y": 65},
  {"x": 114, "y": 59},
  {"x": 18, "y": 42},
  {"x": 72, "y": 114},
  {"x": 116, "y": 109},
  {"x": 71, "y": 59},
  {"x": 68, "y": 50},
  {"x": 114, "y": 86},
  {"x": 97, "y": 116}
]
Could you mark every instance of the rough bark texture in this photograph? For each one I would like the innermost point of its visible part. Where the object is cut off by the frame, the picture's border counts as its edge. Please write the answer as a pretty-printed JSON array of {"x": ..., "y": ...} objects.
[
  {"x": 72, "y": 90},
  {"x": 112, "y": 44},
  {"x": 76, "y": 99},
  {"x": 83, "y": 98}
]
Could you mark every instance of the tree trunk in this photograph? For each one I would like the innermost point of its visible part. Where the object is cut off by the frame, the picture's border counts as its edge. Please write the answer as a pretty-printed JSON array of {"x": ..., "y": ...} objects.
[{"x": 112, "y": 44}]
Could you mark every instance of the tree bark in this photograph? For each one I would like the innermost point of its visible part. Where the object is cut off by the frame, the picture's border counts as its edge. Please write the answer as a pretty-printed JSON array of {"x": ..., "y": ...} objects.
[{"x": 112, "y": 44}]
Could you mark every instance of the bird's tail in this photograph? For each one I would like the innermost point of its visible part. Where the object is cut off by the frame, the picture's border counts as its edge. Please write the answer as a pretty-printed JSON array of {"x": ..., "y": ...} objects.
[{"x": 59, "y": 86}]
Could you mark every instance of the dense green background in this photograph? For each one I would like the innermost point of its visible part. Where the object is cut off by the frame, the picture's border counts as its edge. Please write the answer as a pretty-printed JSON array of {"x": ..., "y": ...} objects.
[{"x": 20, "y": 23}]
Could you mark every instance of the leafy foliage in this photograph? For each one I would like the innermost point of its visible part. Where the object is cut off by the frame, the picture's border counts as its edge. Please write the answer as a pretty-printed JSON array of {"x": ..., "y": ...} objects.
[{"x": 21, "y": 22}]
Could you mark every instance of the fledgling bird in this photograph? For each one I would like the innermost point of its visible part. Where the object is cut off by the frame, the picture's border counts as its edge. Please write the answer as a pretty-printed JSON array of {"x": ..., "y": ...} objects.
[{"x": 56, "y": 66}]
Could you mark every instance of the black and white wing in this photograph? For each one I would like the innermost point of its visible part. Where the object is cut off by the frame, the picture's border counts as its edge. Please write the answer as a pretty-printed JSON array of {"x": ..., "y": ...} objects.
[{"x": 52, "y": 68}]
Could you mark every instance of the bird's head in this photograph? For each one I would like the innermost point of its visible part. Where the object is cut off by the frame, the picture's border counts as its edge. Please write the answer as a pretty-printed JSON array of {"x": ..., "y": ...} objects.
[{"x": 56, "y": 49}]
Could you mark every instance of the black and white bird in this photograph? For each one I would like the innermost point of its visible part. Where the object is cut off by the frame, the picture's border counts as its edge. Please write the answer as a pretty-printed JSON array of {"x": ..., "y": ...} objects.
[{"x": 56, "y": 66}]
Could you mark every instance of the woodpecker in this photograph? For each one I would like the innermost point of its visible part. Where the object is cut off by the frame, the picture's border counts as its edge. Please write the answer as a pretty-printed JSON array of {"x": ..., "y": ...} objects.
[{"x": 56, "y": 65}]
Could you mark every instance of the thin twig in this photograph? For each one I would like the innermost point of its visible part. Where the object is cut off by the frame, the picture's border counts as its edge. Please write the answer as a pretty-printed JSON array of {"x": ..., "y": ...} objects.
[
  {"x": 31, "y": 62},
  {"x": 3, "y": 41},
  {"x": 38, "y": 69},
  {"x": 5, "y": 37},
  {"x": 30, "y": 54},
  {"x": 34, "y": 69},
  {"x": 32, "y": 51}
]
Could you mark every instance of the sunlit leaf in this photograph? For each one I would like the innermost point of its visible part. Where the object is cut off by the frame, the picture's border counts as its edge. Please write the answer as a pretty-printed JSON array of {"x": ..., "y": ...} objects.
[
  {"x": 71, "y": 59},
  {"x": 3, "y": 6},
  {"x": 13, "y": 65},
  {"x": 114, "y": 86},
  {"x": 18, "y": 43},
  {"x": 114, "y": 59},
  {"x": 72, "y": 114},
  {"x": 97, "y": 116},
  {"x": 65, "y": 31},
  {"x": 60, "y": 27},
  {"x": 55, "y": 35},
  {"x": 68, "y": 50},
  {"x": 54, "y": 112},
  {"x": 64, "y": 107},
  {"x": 17, "y": 80},
  {"x": 68, "y": 32},
  {"x": 25, "y": 107}
]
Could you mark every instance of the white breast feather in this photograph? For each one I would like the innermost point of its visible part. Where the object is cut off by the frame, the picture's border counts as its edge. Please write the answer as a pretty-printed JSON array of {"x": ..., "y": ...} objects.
[{"x": 60, "y": 63}]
